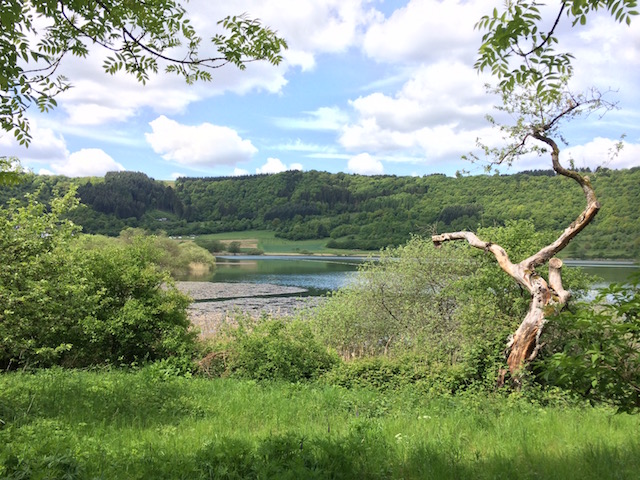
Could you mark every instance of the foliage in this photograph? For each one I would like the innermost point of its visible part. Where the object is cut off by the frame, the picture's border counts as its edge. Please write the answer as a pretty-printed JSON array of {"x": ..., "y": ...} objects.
[
  {"x": 210, "y": 244},
  {"x": 128, "y": 194},
  {"x": 140, "y": 38},
  {"x": 403, "y": 300},
  {"x": 450, "y": 306},
  {"x": 176, "y": 256},
  {"x": 64, "y": 304},
  {"x": 596, "y": 349},
  {"x": 233, "y": 247},
  {"x": 9, "y": 171},
  {"x": 276, "y": 349},
  {"x": 395, "y": 373},
  {"x": 360, "y": 212},
  {"x": 521, "y": 54}
]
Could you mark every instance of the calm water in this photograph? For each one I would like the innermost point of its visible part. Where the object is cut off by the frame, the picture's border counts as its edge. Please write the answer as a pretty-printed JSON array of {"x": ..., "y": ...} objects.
[{"x": 321, "y": 274}]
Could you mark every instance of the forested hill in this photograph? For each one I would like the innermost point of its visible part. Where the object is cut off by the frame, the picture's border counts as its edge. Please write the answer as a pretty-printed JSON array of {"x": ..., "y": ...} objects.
[{"x": 354, "y": 211}]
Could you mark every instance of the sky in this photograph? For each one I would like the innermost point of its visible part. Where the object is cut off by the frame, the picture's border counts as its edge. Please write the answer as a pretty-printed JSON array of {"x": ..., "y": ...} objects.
[{"x": 367, "y": 86}]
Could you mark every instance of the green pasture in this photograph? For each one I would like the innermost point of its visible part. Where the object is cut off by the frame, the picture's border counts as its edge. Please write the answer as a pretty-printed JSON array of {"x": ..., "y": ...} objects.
[{"x": 270, "y": 244}]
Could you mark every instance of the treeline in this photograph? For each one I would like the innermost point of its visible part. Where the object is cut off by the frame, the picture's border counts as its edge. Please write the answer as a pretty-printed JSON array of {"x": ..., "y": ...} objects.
[{"x": 354, "y": 211}]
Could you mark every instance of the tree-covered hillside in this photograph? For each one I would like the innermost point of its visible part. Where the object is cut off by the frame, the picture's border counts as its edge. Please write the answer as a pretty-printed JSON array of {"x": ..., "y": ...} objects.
[{"x": 354, "y": 211}]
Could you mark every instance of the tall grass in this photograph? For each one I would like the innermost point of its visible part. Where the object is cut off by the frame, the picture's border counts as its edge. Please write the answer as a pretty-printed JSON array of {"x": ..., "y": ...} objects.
[{"x": 66, "y": 424}]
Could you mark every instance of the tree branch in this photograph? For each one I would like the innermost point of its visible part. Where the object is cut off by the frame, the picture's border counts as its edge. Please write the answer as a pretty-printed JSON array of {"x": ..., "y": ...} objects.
[
  {"x": 590, "y": 211},
  {"x": 474, "y": 241}
]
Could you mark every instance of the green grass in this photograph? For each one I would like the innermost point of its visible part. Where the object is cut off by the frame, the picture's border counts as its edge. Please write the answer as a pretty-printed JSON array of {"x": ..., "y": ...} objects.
[
  {"x": 57, "y": 424},
  {"x": 270, "y": 244}
]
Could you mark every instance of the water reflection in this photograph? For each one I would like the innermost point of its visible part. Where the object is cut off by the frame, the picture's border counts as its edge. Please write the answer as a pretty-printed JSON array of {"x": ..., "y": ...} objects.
[{"x": 322, "y": 274}]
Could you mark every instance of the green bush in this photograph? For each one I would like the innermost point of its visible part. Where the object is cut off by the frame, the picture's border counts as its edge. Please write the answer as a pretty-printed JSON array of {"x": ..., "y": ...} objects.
[
  {"x": 210, "y": 244},
  {"x": 277, "y": 349},
  {"x": 405, "y": 300},
  {"x": 452, "y": 304},
  {"x": 594, "y": 351},
  {"x": 65, "y": 304}
]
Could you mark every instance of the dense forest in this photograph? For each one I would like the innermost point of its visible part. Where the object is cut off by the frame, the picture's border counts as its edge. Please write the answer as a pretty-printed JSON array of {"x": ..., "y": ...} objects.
[{"x": 354, "y": 211}]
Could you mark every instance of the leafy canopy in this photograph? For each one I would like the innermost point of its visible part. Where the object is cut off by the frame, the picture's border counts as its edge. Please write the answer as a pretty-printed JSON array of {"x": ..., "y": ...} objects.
[
  {"x": 520, "y": 53},
  {"x": 140, "y": 38},
  {"x": 532, "y": 76}
]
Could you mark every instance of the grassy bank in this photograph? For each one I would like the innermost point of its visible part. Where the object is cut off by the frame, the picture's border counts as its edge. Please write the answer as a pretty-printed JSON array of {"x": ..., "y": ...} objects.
[{"x": 66, "y": 424}]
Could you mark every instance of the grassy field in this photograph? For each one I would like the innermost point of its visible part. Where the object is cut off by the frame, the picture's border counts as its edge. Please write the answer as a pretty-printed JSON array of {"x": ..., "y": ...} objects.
[
  {"x": 267, "y": 242},
  {"x": 115, "y": 425}
]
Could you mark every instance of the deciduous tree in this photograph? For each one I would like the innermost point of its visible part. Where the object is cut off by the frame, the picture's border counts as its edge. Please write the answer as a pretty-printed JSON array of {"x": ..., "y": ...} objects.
[
  {"x": 140, "y": 38},
  {"x": 533, "y": 82}
]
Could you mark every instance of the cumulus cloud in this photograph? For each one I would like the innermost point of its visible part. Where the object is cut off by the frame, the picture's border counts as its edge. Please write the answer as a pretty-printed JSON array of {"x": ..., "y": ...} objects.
[
  {"x": 204, "y": 145},
  {"x": 46, "y": 145},
  {"x": 48, "y": 154},
  {"x": 275, "y": 165},
  {"x": 438, "y": 112},
  {"x": 365, "y": 164},
  {"x": 87, "y": 162},
  {"x": 601, "y": 152},
  {"x": 421, "y": 31},
  {"x": 239, "y": 172}
]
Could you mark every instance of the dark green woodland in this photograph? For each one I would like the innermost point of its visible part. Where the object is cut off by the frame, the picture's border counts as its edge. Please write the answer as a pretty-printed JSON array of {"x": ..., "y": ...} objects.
[{"x": 355, "y": 211}]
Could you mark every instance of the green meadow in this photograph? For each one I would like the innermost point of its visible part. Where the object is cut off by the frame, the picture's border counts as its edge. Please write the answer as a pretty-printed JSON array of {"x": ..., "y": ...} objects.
[
  {"x": 271, "y": 245},
  {"x": 148, "y": 425}
]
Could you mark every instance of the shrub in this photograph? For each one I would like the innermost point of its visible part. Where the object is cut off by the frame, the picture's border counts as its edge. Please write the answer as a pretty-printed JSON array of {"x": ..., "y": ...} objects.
[
  {"x": 65, "y": 304},
  {"x": 453, "y": 304},
  {"x": 595, "y": 350},
  {"x": 277, "y": 349},
  {"x": 403, "y": 300},
  {"x": 210, "y": 244}
]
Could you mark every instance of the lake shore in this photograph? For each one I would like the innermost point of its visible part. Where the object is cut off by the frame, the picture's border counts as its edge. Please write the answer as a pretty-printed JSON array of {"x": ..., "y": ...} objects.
[{"x": 218, "y": 303}]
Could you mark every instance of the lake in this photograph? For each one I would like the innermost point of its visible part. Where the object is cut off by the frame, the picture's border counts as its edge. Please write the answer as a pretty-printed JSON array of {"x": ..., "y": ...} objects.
[{"x": 320, "y": 274}]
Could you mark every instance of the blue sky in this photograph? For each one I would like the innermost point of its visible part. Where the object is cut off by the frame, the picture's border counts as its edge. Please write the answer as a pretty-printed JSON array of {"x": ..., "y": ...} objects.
[{"x": 367, "y": 86}]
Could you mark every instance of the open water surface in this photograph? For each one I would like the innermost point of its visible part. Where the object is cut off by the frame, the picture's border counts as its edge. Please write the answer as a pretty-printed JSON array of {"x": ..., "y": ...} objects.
[{"x": 320, "y": 274}]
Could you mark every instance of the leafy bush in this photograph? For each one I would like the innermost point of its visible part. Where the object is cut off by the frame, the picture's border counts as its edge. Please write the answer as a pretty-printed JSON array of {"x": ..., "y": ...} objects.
[
  {"x": 595, "y": 350},
  {"x": 277, "y": 349},
  {"x": 177, "y": 256},
  {"x": 388, "y": 373},
  {"x": 403, "y": 300},
  {"x": 210, "y": 244},
  {"x": 65, "y": 304},
  {"x": 453, "y": 304}
]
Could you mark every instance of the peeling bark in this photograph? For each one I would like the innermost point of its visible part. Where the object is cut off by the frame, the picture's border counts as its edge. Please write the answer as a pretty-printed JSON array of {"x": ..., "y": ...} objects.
[{"x": 546, "y": 297}]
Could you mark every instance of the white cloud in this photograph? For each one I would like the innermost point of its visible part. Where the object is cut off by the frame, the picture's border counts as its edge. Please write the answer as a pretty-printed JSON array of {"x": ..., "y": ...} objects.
[
  {"x": 324, "y": 118},
  {"x": 50, "y": 149},
  {"x": 365, "y": 164},
  {"x": 46, "y": 145},
  {"x": 87, "y": 162},
  {"x": 205, "y": 145},
  {"x": 600, "y": 153},
  {"x": 438, "y": 112},
  {"x": 313, "y": 26},
  {"x": 239, "y": 172},
  {"x": 425, "y": 31},
  {"x": 275, "y": 165}
]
